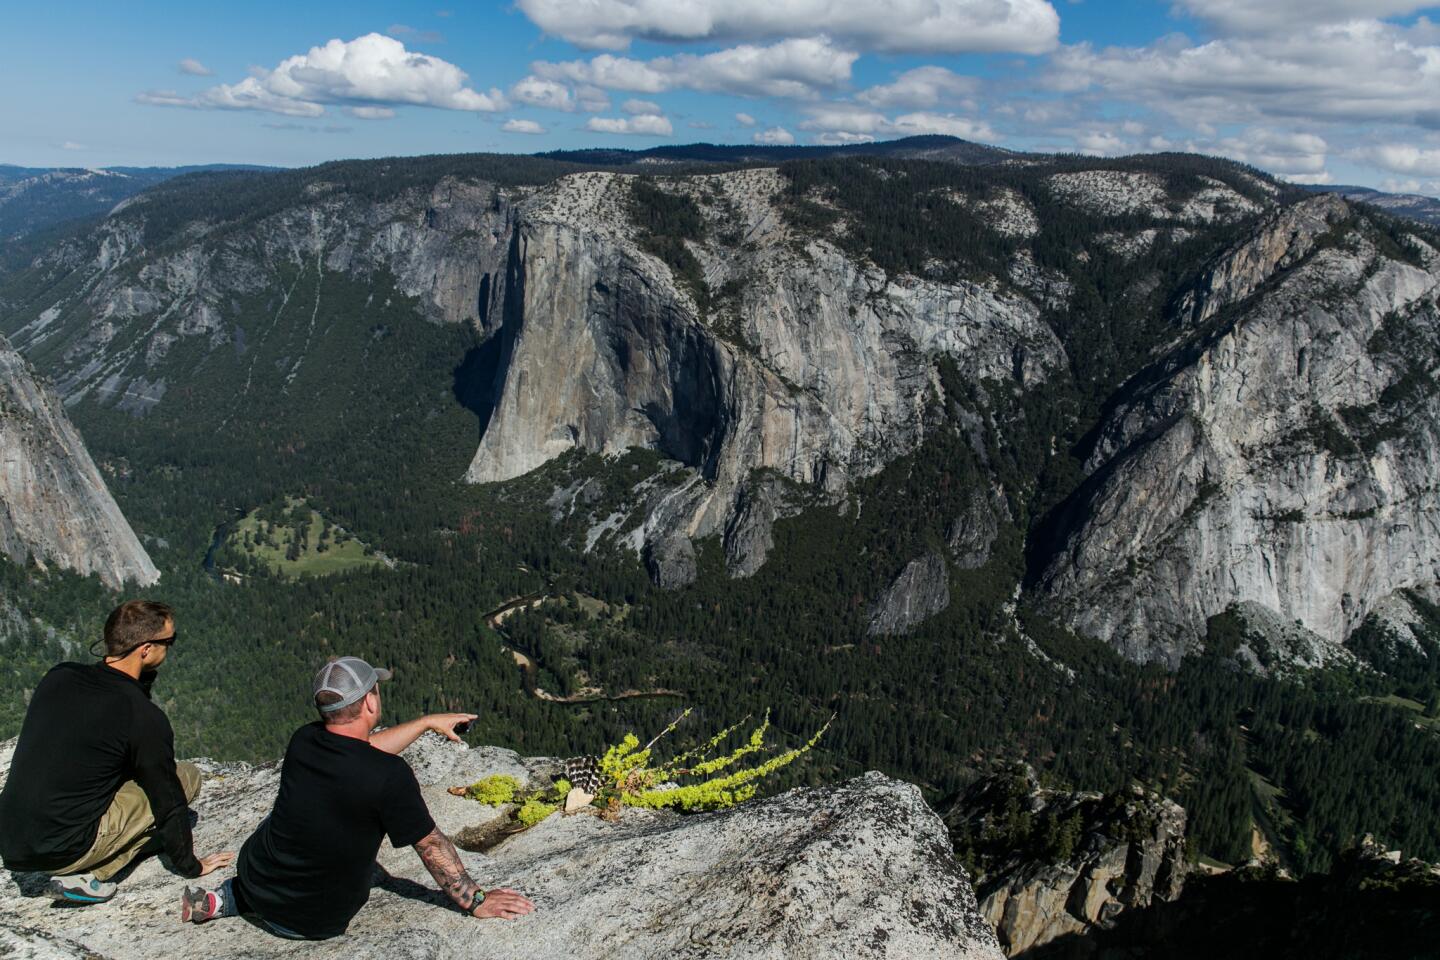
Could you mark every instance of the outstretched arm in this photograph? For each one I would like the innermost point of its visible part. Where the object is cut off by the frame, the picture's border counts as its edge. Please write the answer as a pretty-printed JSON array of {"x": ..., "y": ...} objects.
[
  {"x": 397, "y": 738},
  {"x": 440, "y": 858}
]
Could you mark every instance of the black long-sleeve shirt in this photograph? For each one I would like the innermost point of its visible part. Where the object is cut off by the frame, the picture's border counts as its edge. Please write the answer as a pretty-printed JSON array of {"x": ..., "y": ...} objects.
[{"x": 88, "y": 730}]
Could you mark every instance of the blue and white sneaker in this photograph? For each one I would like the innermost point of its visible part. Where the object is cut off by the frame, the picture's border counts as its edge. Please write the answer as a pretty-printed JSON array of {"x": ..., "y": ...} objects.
[{"x": 80, "y": 888}]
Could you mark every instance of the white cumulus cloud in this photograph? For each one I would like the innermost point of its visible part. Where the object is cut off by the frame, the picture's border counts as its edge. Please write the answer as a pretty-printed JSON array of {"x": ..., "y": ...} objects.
[
  {"x": 1362, "y": 71},
  {"x": 646, "y": 124},
  {"x": 1100, "y": 143},
  {"x": 1252, "y": 16},
  {"x": 591, "y": 98},
  {"x": 373, "y": 70},
  {"x": 914, "y": 26},
  {"x": 1429, "y": 188},
  {"x": 1324, "y": 176},
  {"x": 521, "y": 126},
  {"x": 537, "y": 92},
  {"x": 843, "y": 137},
  {"x": 843, "y": 118},
  {"x": 193, "y": 67},
  {"x": 923, "y": 87},
  {"x": 1403, "y": 158},
  {"x": 633, "y": 106},
  {"x": 798, "y": 68},
  {"x": 1286, "y": 152},
  {"x": 745, "y": 120},
  {"x": 774, "y": 136},
  {"x": 248, "y": 94},
  {"x": 370, "y": 113}
]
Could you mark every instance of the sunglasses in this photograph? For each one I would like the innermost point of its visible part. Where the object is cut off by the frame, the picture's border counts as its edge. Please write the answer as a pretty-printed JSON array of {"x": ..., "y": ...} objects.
[{"x": 162, "y": 641}]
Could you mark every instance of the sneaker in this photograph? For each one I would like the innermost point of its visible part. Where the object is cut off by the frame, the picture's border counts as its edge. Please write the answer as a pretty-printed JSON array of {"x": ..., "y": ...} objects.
[
  {"x": 198, "y": 905},
  {"x": 80, "y": 888}
]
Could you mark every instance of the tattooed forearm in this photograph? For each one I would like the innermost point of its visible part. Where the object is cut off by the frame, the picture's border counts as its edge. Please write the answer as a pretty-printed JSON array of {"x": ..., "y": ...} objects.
[{"x": 440, "y": 858}]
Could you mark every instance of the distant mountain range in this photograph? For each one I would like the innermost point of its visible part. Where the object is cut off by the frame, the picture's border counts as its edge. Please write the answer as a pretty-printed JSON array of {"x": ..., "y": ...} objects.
[
  {"x": 1072, "y": 460},
  {"x": 952, "y": 149},
  {"x": 1412, "y": 206},
  {"x": 34, "y": 198}
]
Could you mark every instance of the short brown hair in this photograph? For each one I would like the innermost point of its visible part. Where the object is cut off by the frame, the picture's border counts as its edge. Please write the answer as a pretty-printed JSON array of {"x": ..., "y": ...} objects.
[
  {"x": 134, "y": 622},
  {"x": 345, "y": 714}
]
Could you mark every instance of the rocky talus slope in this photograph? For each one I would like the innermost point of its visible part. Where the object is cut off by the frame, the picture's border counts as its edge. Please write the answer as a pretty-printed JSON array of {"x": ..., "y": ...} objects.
[
  {"x": 1055, "y": 863},
  {"x": 54, "y": 505},
  {"x": 861, "y": 869}
]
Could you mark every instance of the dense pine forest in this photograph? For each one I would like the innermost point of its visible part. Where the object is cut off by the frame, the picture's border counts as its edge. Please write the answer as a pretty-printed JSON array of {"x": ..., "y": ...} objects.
[{"x": 379, "y": 423}]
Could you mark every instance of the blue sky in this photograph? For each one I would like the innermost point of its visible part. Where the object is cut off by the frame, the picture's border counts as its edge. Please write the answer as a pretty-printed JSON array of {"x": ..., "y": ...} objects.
[{"x": 1314, "y": 90}]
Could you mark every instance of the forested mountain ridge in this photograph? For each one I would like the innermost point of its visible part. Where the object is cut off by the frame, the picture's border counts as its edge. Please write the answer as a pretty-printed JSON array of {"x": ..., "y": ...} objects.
[
  {"x": 774, "y": 333},
  {"x": 928, "y": 147},
  {"x": 34, "y": 199},
  {"x": 857, "y": 416}
]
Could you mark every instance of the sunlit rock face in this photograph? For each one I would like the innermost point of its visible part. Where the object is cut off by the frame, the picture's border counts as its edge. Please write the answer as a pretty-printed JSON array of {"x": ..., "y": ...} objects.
[
  {"x": 860, "y": 869},
  {"x": 1275, "y": 451},
  {"x": 54, "y": 505},
  {"x": 816, "y": 368},
  {"x": 1285, "y": 456}
]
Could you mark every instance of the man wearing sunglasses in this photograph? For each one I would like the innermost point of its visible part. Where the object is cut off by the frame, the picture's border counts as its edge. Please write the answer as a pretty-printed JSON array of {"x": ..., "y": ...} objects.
[{"x": 94, "y": 783}]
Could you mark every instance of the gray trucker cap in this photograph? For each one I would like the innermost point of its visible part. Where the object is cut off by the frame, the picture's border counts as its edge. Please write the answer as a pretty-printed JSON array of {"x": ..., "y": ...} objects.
[{"x": 349, "y": 677}]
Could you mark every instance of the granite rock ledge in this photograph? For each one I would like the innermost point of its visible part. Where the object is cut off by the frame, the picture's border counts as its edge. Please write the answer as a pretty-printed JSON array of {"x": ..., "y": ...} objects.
[{"x": 861, "y": 869}]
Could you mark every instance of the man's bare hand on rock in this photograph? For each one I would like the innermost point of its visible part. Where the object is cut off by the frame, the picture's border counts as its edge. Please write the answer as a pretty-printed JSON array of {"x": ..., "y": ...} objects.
[
  {"x": 216, "y": 861},
  {"x": 503, "y": 905}
]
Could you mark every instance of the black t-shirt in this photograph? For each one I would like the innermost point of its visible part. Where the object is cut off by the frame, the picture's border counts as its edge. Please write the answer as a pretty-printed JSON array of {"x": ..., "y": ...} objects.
[
  {"x": 88, "y": 730},
  {"x": 308, "y": 866}
]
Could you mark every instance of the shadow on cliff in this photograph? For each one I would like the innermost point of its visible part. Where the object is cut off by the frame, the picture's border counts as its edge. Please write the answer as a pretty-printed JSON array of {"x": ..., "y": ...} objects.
[
  {"x": 479, "y": 379},
  {"x": 1257, "y": 918},
  {"x": 474, "y": 380}
]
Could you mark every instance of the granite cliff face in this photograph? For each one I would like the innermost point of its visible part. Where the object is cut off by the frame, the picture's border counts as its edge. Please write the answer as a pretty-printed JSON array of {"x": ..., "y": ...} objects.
[
  {"x": 815, "y": 370},
  {"x": 1283, "y": 455},
  {"x": 54, "y": 505},
  {"x": 121, "y": 304},
  {"x": 862, "y": 869},
  {"x": 1270, "y": 447},
  {"x": 1053, "y": 863}
]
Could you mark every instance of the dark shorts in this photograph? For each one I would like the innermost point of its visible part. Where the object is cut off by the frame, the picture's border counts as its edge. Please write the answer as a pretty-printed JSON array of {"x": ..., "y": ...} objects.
[{"x": 236, "y": 895}]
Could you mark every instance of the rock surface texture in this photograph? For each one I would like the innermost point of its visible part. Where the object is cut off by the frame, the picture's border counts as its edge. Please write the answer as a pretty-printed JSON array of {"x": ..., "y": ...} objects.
[
  {"x": 1283, "y": 456},
  {"x": 1054, "y": 863},
  {"x": 1268, "y": 436},
  {"x": 817, "y": 371},
  {"x": 862, "y": 869},
  {"x": 54, "y": 505},
  {"x": 920, "y": 591}
]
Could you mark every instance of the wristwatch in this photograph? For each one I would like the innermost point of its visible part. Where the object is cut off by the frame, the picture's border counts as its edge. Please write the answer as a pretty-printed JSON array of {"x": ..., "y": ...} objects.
[{"x": 475, "y": 901}]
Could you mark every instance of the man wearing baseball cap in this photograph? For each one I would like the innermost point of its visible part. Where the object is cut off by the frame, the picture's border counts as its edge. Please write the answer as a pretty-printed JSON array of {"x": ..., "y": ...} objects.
[{"x": 305, "y": 872}]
